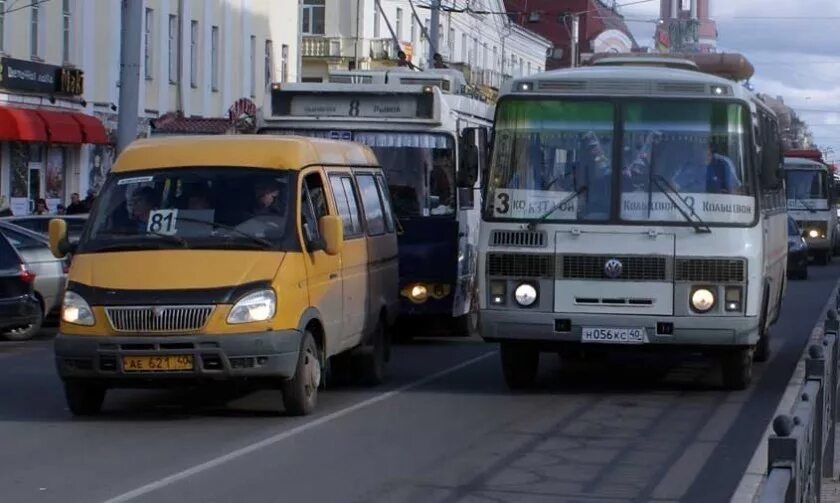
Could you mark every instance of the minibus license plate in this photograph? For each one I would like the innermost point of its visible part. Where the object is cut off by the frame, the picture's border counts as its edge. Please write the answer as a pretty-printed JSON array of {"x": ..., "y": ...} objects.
[
  {"x": 615, "y": 335},
  {"x": 157, "y": 363}
]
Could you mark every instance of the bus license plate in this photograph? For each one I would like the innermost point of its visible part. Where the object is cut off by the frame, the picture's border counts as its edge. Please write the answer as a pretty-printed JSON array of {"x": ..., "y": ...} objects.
[
  {"x": 157, "y": 363},
  {"x": 615, "y": 335}
]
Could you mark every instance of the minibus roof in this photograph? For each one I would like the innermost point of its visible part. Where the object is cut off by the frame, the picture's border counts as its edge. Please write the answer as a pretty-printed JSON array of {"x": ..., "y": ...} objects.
[
  {"x": 802, "y": 163},
  {"x": 254, "y": 151}
]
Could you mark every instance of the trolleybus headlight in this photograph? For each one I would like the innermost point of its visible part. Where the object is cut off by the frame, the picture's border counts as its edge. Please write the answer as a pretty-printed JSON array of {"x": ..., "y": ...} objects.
[
  {"x": 525, "y": 86},
  {"x": 497, "y": 292},
  {"x": 814, "y": 233},
  {"x": 733, "y": 298},
  {"x": 257, "y": 306},
  {"x": 76, "y": 310},
  {"x": 702, "y": 300},
  {"x": 419, "y": 293},
  {"x": 525, "y": 295}
]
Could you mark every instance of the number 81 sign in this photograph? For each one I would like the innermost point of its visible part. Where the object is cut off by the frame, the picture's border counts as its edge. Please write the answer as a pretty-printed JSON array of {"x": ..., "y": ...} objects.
[{"x": 163, "y": 222}]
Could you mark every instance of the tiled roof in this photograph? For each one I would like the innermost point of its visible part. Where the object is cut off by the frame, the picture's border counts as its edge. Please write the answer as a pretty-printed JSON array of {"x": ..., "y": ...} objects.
[{"x": 176, "y": 123}]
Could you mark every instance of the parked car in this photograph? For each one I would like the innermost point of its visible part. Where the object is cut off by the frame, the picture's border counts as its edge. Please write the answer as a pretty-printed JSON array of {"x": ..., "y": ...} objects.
[
  {"x": 50, "y": 275},
  {"x": 18, "y": 304},
  {"x": 797, "y": 252},
  {"x": 41, "y": 224}
]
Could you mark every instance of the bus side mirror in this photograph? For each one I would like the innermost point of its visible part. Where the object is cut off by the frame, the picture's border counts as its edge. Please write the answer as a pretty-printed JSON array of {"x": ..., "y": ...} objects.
[
  {"x": 331, "y": 228},
  {"x": 473, "y": 155},
  {"x": 59, "y": 245}
]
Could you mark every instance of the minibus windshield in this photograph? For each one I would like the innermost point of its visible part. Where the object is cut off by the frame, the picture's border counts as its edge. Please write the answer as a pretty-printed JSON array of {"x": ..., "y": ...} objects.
[
  {"x": 194, "y": 207},
  {"x": 806, "y": 189},
  {"x": 559, "y": 160}
]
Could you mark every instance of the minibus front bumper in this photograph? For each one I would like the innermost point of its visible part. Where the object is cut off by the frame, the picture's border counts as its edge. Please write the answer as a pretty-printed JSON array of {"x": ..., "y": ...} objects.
[
  {"x": 567, "y": 328},
  {"x": 226, "y": 357}
]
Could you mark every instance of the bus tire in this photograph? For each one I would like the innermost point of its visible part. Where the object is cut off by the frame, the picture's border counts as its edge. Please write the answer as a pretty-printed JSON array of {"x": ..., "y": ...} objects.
[
  {"x": 736, "y": 365},
  {"x": 762, "y": 348},
  {"x": 520, "y": 363},
  {"x": 84, "y": 398},
  {"x": 300, "y": 393}
]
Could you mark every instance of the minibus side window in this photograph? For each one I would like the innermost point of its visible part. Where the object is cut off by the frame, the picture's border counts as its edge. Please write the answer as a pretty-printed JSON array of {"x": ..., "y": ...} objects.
[
  {"x": 313, "y": 206},
  {"x": 372, "y": 205},
  {"x": 348, "y": 206},
  {"x": 386, "y": 202}
]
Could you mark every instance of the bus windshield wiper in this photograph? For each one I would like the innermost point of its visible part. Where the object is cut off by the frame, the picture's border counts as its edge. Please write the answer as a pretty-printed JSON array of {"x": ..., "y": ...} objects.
[
  {"x": 167, "y": 237},
  {"x": 806, "y": 205},
  {"x": 532, "y": 225},
  {"x": 670, "y": 192},
  {"x": 256, "y": 239}
]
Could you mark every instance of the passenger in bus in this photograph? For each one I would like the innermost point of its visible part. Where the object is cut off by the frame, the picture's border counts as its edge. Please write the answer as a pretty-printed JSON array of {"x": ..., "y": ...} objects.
[
  {"x": 718, "y": 177},
  {"x": 143, "y": 201}
]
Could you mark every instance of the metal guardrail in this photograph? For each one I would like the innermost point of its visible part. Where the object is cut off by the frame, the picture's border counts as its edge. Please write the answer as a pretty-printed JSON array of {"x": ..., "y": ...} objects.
[{"x": 801, "y": 449}]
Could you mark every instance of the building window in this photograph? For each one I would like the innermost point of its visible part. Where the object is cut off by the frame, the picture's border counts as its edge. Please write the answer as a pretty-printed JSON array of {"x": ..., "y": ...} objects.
[
  {"x": 148, "y": 62},
  {"x": 214, "y": 58},
  {"x": 376, "y": 22},
  {"x": 529, "y": 68},
  {"x": 495, "y": 61},
  {"x": 194, "y": 53},
  {"x": 413, "y": 33},
  {"x": 399, "y": 24},
  {"x": 284, "y": 63},
  {"x": 2, "y": 25},
  {"x": 269, "y": 62},
  {"x": 451, "y": 45},
  {"x": 312, "y": 21},
  {"x": 424, "y": 32},
  {"x": 173, "y": 49},
  {"x": 253, "y": 53},
  {"x": 35, "y": 33},
  {"x": 66, "y": 31},
  {"x": 464, "y": 48}
]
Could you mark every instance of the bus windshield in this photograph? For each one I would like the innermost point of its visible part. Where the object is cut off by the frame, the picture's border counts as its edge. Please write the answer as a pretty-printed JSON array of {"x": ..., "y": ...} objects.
[
  {"x": 195, "y": 207},
  {"x": 555, "y": 159},
  {"x": 806, "y": 189},
  {"x": 419, "y": 167}
]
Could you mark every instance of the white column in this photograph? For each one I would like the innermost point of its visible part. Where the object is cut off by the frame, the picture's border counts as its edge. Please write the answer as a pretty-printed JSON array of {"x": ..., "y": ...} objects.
[
  {"x": 186, "y": 38},
  {"x": 247, "y": 76},
  {"x": 162, "y": 55},
  {"x": 141, "y": 96},
  {"x": 205, "y": 47},
  {"x": 227, "y": 68},
  {"x": 675, "y": 8},
  {"x": 693, "y": 9},
  {"x": 114, "y": 70}
]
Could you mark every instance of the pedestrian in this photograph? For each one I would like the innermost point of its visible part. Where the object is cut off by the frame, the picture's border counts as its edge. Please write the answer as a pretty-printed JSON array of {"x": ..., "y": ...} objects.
[
  {"x": 41, "y": 207},
  {"x": 60, "y": 209},
  {"x": 89, "y": 200},
  {"x": 351, "y": 65},
  {"x": 402, "y": 60},
  {"x": 438, "y": 59},
  {"x": 76, "y": 205}
]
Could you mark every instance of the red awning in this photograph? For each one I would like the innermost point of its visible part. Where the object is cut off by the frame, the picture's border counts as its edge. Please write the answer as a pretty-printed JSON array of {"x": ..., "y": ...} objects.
[
  {"x": 92, "y": 129},
  {"x": 61, "y": 128},
  {"x": 20, "y": 124}
]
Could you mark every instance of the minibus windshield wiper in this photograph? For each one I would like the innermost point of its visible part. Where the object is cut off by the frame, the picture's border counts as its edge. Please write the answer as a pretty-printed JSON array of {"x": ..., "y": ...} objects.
[
  {"x": 167, "y": 237},
  {"x": 806, "y": 205},
  {"x": 532, "y": 225},
  {"x": 670, "y": 191},
  {"x": 256, "y": 239}
]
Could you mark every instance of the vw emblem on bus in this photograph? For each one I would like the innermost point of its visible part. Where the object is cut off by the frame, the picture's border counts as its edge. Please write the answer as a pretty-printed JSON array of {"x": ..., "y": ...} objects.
[{"x": 613, "y": 268}]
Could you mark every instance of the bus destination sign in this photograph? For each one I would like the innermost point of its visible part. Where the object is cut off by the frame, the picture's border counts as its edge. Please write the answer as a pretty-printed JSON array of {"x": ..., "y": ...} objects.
[{"x": 403, "y": 107}]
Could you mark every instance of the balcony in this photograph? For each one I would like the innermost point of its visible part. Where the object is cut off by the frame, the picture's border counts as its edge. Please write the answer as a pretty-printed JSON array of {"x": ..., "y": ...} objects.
[
  {"x": 321, "y": 47},
  {"x": 480, "y": 77},
  {"x": 383, "y": 49}
]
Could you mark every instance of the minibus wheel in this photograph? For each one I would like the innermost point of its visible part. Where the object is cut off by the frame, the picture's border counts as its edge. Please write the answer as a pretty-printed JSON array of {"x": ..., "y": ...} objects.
[
  {"x": 300, "y": 393},
  {"x": 737, "y": 368},
  {"x": 520, "y": 363},
  {"x": 84, "y": 398},
  {"x": 372, "y": 361}
]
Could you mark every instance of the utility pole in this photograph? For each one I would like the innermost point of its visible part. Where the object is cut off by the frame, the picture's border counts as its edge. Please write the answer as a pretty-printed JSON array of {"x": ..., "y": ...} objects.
[
  {"x": 132, "y": 28},
  {"x": 434, "y": 35},
  {"x": 575, "y": 39}
]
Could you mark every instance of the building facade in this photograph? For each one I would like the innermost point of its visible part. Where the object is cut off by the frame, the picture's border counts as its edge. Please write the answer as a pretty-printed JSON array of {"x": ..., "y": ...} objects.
[
  {"x": 205, "y": 65},
  {"x": 482, "y": 42},
  {"x": 685, "y": 26}
]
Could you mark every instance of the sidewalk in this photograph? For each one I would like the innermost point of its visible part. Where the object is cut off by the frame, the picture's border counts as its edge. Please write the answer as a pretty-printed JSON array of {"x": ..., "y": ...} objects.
[{"x": 831, "y": 487}]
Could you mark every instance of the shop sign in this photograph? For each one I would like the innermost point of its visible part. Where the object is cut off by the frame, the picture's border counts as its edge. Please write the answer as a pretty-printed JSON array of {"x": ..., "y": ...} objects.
[{"x": 31, "y": 76}]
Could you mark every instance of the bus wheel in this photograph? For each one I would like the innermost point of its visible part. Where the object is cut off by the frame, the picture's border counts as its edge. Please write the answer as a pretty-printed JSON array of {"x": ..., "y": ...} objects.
[
  {"x": 762, "y": 348},
  {"x": 466, "y": 325},
  {"x": 300, "y": 393},
  {"x": 519, "y": 365},
  {"x": 737, "y": 368},
  {"x": 84, "y": 398}
]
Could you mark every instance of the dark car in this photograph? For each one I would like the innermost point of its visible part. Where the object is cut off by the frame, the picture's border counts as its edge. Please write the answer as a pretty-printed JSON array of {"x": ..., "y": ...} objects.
[
  {"x": 41, "y": 224},
  {"x": 797, "y": 252},
  {"x": 18, "y": 305}
]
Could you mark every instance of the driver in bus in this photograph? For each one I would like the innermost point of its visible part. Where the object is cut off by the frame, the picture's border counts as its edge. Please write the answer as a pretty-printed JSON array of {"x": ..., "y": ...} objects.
[{"x": 718, "y": 177}]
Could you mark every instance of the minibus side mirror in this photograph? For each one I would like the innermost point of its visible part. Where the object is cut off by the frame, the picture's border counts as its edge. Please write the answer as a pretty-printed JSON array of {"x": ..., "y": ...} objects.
[
  {"x": 332, "y": 232},
  {"x": 473, "y": 156},
  {"x": 59, "y": 245}
]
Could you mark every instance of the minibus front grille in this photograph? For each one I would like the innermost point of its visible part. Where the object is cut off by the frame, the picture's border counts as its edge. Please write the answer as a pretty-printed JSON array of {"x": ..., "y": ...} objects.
[
  {"x": 711, "y": 270},
  {"x": 158, "y": 319},
  {"x": 520, "y": 265},
  {"x": 633, "y": 268}
]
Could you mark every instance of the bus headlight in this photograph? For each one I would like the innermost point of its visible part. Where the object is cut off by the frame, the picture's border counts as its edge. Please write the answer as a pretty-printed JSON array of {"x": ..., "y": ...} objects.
[
  {"x": 525, "y": 295},
  {"x": 733, "y": 298},
  {"x": 418, "y": 293},
  {"x": 702, "y": 300},
  {"x": 76, "y": 310},
  {"x": 257, "y": 306},
  {"x": 497, "y": 293},
  {"x": 814, "y": 233}
]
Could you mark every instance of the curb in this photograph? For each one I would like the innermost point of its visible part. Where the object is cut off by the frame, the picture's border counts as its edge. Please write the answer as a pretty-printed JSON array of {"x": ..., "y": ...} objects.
[{"x": 754, "y": 477}]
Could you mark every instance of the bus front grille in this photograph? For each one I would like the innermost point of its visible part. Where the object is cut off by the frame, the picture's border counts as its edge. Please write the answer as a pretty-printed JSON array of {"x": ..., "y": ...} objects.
[
  {"x": 711, "y": 270},
  {"x": 525, "y": 239},
  {"x": 633, "y": 268},
  {"x": 158, "y": 319},
  {"x": 520, "y": 265}
]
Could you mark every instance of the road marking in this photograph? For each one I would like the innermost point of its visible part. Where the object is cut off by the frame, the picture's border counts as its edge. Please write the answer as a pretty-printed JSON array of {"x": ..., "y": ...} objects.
[{"x": 248, "y": 449}]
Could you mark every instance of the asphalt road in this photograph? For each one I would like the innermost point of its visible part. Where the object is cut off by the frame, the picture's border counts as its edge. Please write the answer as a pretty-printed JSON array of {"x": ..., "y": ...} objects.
[{"x": 444, "y": 429}]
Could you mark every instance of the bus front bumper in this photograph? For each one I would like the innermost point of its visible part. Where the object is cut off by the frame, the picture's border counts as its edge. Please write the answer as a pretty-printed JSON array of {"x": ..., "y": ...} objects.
[
  {"x": 691, "y": 331},
  {"x": 267, "y": 355},
  {"x": 817, "y": 244}
]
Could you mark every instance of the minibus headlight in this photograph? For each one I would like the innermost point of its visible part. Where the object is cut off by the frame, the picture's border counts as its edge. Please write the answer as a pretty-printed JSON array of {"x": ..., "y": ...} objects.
[
  {"x": 702, "y": 300},
  {"x": 76, "y": 310},
  {"x": 256, "y": 306},
  {"x": 814, "y": 233},
  {"x": 418, "y": 293},
  {"x": 525, "y": 295}
]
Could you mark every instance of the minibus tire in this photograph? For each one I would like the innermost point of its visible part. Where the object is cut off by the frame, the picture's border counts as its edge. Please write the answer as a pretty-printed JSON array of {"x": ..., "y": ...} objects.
[
  {"x": 84, "y": 398},
  {"x": 520, "y": 363},
  {"x": 371, "y": 364},
  {"x": 736, "y": 365},
  {"x": 300, "y": 394}
]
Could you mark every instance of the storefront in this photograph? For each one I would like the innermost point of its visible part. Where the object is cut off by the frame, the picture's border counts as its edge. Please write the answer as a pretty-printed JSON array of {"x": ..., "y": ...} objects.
[{"x": 45, "y": 134}]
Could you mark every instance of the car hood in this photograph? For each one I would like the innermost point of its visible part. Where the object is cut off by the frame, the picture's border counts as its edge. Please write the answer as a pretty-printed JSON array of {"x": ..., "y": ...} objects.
[{"x": 174, "y": 269}]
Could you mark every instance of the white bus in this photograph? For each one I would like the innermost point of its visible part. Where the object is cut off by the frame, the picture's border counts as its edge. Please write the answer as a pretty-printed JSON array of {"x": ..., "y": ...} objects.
[
  {"x": 632, "y": 205},
  {"x": 810, "y": 200},
  {"x": 431, "y": 138}
]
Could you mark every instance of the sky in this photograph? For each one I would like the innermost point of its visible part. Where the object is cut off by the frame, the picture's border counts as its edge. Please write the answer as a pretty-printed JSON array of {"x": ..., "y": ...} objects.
[{"x": 793, "y": 45}]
